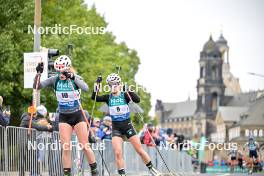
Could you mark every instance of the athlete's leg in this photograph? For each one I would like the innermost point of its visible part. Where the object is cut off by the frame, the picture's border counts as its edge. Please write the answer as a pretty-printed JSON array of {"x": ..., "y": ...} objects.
[
  {"x": 65, "y": 137},
  {"x": 82, "y": 134},
  {"x": 81, "y": 131},
  {"x": 135, "y": 141},
  {"x": 117, "y": 146}
]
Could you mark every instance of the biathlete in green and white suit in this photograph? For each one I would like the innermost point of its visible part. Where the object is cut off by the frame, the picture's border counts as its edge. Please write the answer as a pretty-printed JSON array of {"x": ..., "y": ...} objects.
[
  {"x": 119, "y": 111},
  {"x": 67, "y": 87}
]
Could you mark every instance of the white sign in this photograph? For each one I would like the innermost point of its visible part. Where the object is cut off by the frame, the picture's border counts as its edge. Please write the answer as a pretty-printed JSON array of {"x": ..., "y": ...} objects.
[{"x": 31, "y": 61}]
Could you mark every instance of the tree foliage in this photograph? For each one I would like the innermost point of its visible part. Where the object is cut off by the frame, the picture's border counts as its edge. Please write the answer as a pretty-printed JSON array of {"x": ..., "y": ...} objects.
[{"x": 92, "y": 54}]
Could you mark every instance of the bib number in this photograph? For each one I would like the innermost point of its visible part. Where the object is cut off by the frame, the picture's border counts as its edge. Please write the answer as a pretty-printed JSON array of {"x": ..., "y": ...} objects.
[{"x": 64, "y": 95}]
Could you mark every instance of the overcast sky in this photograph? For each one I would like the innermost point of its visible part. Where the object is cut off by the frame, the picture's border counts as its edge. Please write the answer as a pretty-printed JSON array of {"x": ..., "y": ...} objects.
[{"x": 169, "y": 35}]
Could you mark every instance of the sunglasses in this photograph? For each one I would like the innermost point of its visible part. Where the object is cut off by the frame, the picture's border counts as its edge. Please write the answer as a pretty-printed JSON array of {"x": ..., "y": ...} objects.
[{"x": 113, "y": 85}]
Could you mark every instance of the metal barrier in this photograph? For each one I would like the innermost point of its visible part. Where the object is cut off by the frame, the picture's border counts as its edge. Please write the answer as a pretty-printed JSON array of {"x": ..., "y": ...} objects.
[
  {"x": 40, "y": 153},
  {"x": 2, "y": 150}
]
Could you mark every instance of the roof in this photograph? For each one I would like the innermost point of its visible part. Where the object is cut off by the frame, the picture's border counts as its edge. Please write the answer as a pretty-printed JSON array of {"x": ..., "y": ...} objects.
[
  {"x": 210, "y": 48},
  {"x": 181, "y": 109},
  {"x": 222, "y": 40},
  {"x": 229, "y": 113},
  {"x": 255, "y": 113},
  {"x": 243, "y": 99}
]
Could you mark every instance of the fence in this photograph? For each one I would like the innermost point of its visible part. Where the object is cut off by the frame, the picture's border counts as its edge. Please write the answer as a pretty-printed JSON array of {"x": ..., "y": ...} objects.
[{"x": 40, "y": 153}]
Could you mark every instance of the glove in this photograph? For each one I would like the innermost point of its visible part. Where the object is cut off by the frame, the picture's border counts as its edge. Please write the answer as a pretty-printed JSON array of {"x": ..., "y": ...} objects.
[
  {"x": 97, "y": 87},
  {"x": 40, "y": 67},
  {"x": 99, "y": 79},
  {"x": 91, "y": 139},
  {"x": 69, "y": 75},
  {"x": 125, "y": 87}
]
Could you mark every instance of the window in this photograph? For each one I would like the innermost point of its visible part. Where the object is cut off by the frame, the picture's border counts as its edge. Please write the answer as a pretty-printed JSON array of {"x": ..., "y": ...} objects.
[
  {"x": 261, "y": 133},
  {"x": 214, "y": 102},
  {"x": 214, "y": 72},
  {"x": 255, "y": 132},
  {"x": 203, "y": 99},
  {"x": 246, "y": 132},
  {"x": 201, "y": 72}
]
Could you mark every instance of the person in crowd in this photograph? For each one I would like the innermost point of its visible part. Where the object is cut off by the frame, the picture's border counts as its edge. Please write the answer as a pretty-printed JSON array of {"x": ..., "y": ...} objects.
[
  {"x": 39, "y": 120},
  {"x": 96, "y": 126},
  {"x": 105, "y": 130},
  {"x": 253, "y": 151},
  {"x": 240, "y": 159},
  {"x": 4, "y": 115},
  {"x": 148, "y": 134},
  {"x": 233, "y": 158}
]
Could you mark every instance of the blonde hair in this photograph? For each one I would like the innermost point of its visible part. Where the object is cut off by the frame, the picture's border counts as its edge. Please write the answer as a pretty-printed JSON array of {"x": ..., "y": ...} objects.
[{"x": 73, "y": 70}]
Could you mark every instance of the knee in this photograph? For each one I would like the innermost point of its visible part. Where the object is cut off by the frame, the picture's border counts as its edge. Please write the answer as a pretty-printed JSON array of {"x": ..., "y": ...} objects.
[{"x": 118, "y": 154}]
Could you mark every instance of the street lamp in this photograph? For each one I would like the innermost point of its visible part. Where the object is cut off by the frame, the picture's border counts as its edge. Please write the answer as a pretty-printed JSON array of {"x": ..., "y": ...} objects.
[
  {"x": 256, "y": 74},
  {"x": 52, "y": 53}
]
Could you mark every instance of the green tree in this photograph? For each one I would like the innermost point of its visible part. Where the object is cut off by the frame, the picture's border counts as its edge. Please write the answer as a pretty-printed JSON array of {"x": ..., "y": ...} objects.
[{"x": 92, "y": 54}]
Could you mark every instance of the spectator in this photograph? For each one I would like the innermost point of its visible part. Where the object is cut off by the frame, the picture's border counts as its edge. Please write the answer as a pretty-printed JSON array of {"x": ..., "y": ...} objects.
[
  {"x": 4, "y": 115},
  {"x": 39, "y": 121},
  {"x": 54, "y": 119},
  {"x": 170, "y": 136},
  {"x": 105, "y": 130},
  {"x": 96, "y": 125},
  {"x": 180, "y": 141},
  {"x": 148, "y": 134}
]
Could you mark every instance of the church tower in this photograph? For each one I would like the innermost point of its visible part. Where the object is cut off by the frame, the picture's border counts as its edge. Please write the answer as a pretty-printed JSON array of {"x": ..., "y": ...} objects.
[{"x": 210, "y": 85}]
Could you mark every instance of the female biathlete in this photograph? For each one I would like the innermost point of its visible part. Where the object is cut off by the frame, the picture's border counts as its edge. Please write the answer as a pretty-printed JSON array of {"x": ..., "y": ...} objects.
[
  {"x": 66, "y": 85},
  {"x": 117, "y": 102}
]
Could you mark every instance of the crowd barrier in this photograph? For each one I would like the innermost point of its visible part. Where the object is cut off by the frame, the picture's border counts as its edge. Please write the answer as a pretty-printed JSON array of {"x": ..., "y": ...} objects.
[{"x": 40, "y": 154}]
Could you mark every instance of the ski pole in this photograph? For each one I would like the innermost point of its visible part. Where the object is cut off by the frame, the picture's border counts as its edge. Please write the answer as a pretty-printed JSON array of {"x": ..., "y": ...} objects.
[
  {"x": 33, "y": 107},
  {"x": 88, "y": 124},
  {"x": 92, "y": 117},
  {"x": 142, "y": 119},
  {"x": 152, "y": 139}
]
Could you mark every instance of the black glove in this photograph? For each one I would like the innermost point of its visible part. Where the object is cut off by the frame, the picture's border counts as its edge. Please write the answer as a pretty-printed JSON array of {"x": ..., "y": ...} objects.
[
  {"x": 40, "y": 67},
  {"x": 91, "y": 139},
  {"x": 125, "y": 88},
  {"x": 69, "y": 75},
  {"x": 99, "y": 79}
]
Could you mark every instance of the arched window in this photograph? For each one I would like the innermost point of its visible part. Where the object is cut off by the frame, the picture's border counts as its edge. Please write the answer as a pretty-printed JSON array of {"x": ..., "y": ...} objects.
[
  {"x": 202, "y": 72},
  {"x": 203, "y": 100},
  {"x": 214, "y": 72},
  {"x": 260, "y": 133},
  {"x": 255, "y": 132},
  {"x": 246, "y": 132},
  {"x": 214, "y": 102}
]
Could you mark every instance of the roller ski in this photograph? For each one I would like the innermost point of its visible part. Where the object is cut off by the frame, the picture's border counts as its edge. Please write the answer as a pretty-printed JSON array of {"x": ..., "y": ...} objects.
[{"x": 154, "y": 172}]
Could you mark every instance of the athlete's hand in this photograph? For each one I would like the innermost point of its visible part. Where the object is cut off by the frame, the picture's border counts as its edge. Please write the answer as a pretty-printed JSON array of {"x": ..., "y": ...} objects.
[
  {"x": 40, "y": 67},
  {"x": 69, "y": 75},
  {"x": 99, "y": 79},
  {"x": 125, "y": 87}
]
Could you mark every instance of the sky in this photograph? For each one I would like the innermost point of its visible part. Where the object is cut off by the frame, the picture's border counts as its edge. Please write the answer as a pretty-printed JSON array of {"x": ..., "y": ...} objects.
[{"x": 169, "y": 36}]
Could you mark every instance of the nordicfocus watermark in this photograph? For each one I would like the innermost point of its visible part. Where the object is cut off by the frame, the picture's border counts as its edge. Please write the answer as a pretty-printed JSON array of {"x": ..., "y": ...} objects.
[
  {"x": 66, "y": 146},
  {"x": 125, "y": 87},
  {"x": 58, "y": 29},
  {"x": 190, "y": 145}
]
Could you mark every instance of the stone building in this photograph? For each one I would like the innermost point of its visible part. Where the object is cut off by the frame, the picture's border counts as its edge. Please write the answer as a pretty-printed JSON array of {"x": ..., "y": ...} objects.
[{"x": 220, "y": 103}]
